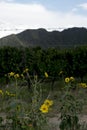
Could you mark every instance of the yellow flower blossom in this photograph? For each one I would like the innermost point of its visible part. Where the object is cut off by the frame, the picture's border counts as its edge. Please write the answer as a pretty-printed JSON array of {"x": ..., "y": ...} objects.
[
  {"x": 72, "y": 79},
  {"x": 7, "y": 93},
  {"x": 26, "y": 70},
  {"x": 22, "y": 75},
  {"x": 1, "y": 92},
  {"x": 12, "y": 94},
  {"x": 46, "y": 74},
  {"x": 11, "y": 74},
  {"x": 67, "y": 80},
  {"x": 16, "y": 76},
  {"x": 44, "y": 108},
  {"x": 48, "y": 102},
  {"x": 83, "y": 85}
]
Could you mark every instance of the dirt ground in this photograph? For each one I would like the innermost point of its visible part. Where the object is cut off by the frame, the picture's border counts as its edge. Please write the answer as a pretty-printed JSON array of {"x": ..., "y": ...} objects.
[{"x": 55, "y": 121}]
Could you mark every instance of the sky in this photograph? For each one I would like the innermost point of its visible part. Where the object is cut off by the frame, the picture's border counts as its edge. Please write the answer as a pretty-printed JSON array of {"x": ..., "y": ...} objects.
[{"x": 19, "y": 15}]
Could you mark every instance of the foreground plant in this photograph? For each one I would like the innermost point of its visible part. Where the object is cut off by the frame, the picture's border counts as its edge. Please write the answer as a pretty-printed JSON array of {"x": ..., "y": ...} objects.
[
  {"x": 21, "y": 113},
  {"x": 70, "y": 108}
]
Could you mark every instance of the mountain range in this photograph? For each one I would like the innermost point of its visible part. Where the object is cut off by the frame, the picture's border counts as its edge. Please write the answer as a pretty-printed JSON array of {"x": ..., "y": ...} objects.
[{"x": 67, "y": 38}]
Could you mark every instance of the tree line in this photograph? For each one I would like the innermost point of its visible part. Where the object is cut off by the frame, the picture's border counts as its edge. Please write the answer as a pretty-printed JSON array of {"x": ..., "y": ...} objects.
[{"x": 56, "y": 62}]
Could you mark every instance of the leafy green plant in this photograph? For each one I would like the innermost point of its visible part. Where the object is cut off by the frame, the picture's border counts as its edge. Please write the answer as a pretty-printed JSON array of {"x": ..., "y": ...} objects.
[{"x": 70, "y": 108}]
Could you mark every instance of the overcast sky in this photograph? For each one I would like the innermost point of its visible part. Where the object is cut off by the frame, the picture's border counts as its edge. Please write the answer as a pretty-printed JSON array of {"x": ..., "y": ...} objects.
[{"x": 18, "y": 15}]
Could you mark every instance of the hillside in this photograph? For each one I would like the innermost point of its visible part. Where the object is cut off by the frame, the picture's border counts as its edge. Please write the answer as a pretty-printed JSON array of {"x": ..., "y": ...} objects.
[{"x": 40, "y": 37}]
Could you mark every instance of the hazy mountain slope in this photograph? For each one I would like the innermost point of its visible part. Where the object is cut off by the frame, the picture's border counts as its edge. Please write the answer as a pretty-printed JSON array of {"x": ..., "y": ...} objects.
[
  {"x": 11, "y": 40},
  {"x": 41, "y": 37}
]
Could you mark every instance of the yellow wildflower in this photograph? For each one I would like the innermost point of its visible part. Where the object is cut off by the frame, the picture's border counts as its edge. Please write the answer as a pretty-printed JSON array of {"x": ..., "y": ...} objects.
[
  {"x": 1, "y": 92},
  {"x": 48, "y": 102},
  {"x": 12, "y": 94},
  {"x": 83, "y": 85},
  {"x": 7, "y": 93},
  {"x": 11, "y": 74},
  {"x": 16, "y": 76},
  {"x": 22, "y": 75},
  {"x": 44, "y": 108},
  {"x": 26, "y": 70},
  {"x": 72, "y": 79},
  {"x": 67, "y": 80},
  {"x": 46, "y": 74}
]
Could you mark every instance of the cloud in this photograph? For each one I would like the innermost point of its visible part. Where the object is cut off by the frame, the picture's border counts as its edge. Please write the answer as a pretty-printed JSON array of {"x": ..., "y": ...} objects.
[
  {"x": 15, "y": 16},
  {"x": 74, "y": 10},
  {"x": 31, "y": 14},
  {"x": 83, "y": 6},
  {"x": 6, "y": 0}
]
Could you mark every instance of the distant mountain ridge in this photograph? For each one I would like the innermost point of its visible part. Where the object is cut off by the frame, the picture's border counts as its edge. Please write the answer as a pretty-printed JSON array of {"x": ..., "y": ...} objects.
[{"x": 40, "y": 37}]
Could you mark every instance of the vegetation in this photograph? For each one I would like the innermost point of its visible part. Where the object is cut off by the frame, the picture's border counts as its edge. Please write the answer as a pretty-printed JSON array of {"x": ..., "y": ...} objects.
[
  {"x": 37, "y": 84},
  {"x": 66, "y": 62},
  {"x": 23, "y": 108}
]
